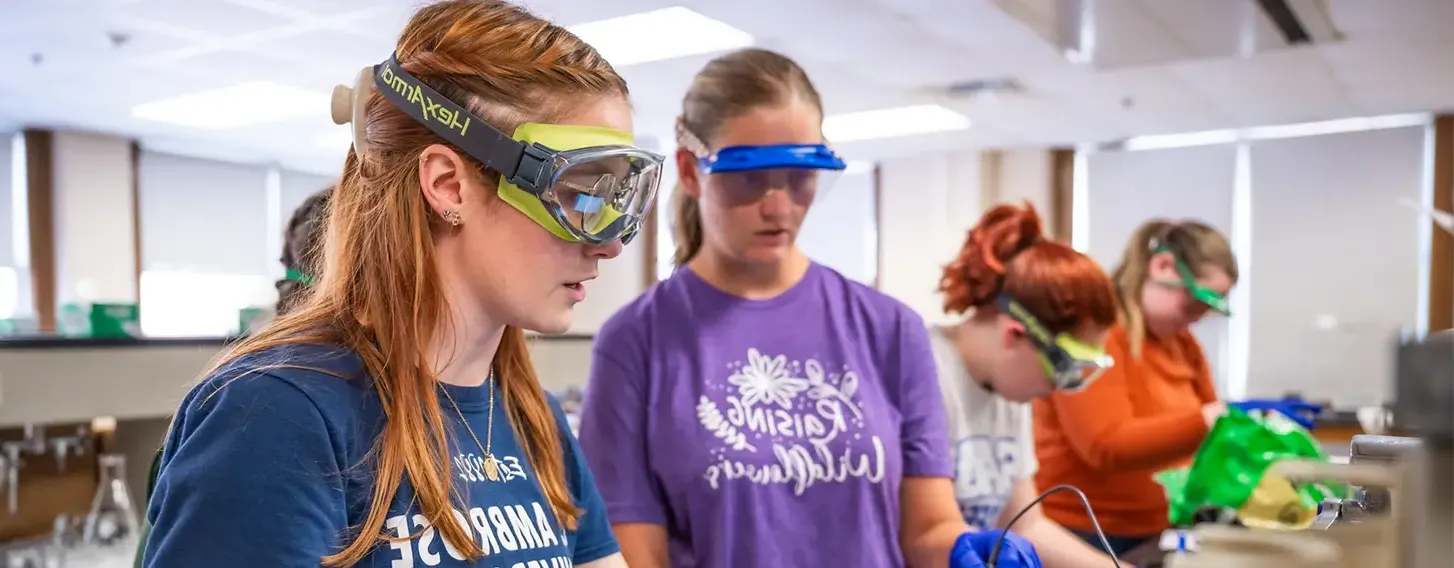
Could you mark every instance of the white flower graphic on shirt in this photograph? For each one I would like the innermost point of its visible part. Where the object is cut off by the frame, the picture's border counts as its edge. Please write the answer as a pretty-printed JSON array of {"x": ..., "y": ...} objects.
[
  {"x": 819, "y": 388},
  {"x": 766, "y": 379}
]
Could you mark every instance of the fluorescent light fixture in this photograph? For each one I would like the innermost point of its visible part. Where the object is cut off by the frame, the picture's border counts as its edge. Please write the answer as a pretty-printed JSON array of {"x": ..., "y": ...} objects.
[
  {"x": 1337, "y": 126},
  {"x": 668, "y": 33},
  {"x": 892, "y": 123},
  {"x": 246, "y": 104}
]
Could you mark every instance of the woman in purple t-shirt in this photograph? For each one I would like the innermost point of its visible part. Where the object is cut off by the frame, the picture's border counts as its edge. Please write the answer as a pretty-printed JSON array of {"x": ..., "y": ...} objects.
[{"x": 757, "y": 409}]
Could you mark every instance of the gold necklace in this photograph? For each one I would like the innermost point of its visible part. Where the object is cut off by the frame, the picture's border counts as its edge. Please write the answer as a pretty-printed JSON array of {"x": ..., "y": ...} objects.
[{"x": 492, "y": 469}]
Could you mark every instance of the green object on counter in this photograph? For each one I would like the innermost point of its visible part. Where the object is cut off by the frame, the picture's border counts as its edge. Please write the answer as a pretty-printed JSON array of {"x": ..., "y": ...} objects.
[
  {"x": 72, "y": 321},
  {"x": 106, "y": 320},
  {"x": 115, "y": 320},
  {"x": 1230, "y": 471}
]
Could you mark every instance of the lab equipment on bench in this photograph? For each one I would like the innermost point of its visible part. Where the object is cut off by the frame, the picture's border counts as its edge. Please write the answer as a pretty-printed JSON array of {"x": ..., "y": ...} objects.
[
  {"x": 112, "y": 520},
  {"x": 1304, "y": 413},
  {"x": 1017, "y": 544},
  {"x": 1232, "y": 470},
  {"x": 1414, "y": 531}
]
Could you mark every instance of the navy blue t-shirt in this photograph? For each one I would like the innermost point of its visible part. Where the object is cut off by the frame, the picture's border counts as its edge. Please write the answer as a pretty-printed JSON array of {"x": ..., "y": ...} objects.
[{"x": 266, "y": 467}]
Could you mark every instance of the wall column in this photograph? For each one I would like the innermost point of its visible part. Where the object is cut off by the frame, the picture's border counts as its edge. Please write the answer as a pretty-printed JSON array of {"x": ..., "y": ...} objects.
[{"x": 1441, "y": 246}]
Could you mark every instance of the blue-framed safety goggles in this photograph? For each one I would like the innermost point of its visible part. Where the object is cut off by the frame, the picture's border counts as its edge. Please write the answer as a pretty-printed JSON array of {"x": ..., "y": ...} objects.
[{"x": 743, "y": 174}]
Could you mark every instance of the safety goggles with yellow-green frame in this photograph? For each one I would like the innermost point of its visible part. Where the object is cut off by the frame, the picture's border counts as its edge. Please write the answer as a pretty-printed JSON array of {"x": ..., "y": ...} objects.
[
  {"x": 1070, "y": 364},
  {"x": 581, "y": 183}
]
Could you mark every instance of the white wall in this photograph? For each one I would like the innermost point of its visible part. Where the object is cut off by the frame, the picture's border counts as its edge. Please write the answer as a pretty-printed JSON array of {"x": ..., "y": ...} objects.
[
  {"x": 931, "y": 202},
  {"x": 840, "y": 230},
  {"x": 1336, "y": 261},
  {"x": 203, "y": 215},
  {"x": 928, "y": 203},
  {"x": 294, "y": 187},
  {"x": 94, "y": 218},
  {"x": 1024, "y": 175}
]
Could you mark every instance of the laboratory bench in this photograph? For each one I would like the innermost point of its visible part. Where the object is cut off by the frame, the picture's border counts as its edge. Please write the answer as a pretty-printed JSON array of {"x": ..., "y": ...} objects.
[{"x": 51, "y": 387}]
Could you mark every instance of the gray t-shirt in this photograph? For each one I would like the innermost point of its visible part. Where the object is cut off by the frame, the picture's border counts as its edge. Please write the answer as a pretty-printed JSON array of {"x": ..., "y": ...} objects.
[{"x": 990, "y": 438}]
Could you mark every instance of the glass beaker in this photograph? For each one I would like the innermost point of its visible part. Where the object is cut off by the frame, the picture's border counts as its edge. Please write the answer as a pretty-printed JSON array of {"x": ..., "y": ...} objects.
[{"x": 112, "y": 520}]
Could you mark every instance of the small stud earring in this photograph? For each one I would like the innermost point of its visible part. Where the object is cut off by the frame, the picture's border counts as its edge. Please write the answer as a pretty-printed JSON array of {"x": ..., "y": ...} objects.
[{"x": 452, "y": 217}]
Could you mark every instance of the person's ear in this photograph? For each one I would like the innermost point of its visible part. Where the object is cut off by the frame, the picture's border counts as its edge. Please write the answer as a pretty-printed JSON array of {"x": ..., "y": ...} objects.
[
  {"x": 1162, "y": 266},
  {"x": 442, "y": 176},
  {"x": 688, "y": 173},
  {"x": 1014, "y": 331}
]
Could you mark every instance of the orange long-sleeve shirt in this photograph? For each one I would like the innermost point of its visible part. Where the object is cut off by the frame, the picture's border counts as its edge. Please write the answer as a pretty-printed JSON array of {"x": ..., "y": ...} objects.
[{"x": 1143, "y": 415}]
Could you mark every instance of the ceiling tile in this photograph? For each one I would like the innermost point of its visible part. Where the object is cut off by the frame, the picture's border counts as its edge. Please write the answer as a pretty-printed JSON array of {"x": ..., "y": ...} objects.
[
  {"x": 1290, "y": 86},
  {"x": 202, "y": 19},
  {"x": 233, "y": 66},
  {"x": 311, "y": 9},
  {"x": 1392, "y": 19},
  {"x": 331, "y": 49}
]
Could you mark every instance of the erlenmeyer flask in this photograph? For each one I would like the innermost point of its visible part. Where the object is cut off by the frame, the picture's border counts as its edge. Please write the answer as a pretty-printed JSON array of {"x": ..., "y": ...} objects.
[{"x": 112, "y": 520}]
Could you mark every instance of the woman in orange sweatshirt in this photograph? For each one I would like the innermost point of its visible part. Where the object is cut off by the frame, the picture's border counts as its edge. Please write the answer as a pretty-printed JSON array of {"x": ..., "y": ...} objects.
[{"x": 1152, "y": 409}]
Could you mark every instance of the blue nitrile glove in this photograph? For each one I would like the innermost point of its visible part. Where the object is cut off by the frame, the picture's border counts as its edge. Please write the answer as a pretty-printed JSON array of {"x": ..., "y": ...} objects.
[
  {"x": 972, "y": 550},
  {"x": 1301, "y": 412}
]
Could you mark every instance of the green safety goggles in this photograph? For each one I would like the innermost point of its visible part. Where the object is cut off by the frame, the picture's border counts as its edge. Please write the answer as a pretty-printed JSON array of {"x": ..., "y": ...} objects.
[
  {"x": 1217, "y": 301},
  {"x": 1069, "y": 363}
]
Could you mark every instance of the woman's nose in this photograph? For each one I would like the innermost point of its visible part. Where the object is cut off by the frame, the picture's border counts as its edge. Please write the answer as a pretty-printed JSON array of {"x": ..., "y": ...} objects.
[
  {"x": 776, "y": 202},
  {"x": 609, "y": 250}
]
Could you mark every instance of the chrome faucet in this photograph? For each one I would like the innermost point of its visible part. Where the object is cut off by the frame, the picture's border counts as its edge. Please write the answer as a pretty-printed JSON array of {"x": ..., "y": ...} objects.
[
  {"x": 1366, "y": 502},
  {"x": 12, "y": 452},
  {"x": 34, "y": 440},
  {"x": 65, "y": 446}
]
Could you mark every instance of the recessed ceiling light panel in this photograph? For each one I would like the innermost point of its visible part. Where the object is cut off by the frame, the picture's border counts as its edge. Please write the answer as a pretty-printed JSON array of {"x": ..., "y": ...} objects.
[
  {"x": 893, "y": 123},
  {"x": 246, "y": 104},
  {"x": 658, "y": 35}
]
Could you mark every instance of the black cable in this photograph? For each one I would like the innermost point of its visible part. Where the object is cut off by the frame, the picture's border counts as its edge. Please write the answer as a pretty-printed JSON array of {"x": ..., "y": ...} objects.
[{"x": 995, "y": 552}]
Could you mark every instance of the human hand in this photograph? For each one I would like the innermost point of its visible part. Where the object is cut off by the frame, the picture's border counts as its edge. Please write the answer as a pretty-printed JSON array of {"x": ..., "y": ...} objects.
[
  {"x": 1299, "y": 411},
  {"x": 973, "y": 549},
  {"x": 1212, "y": 411}
]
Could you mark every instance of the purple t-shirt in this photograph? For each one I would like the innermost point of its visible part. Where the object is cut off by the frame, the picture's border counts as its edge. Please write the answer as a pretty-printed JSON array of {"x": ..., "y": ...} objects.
[{"x": 765, "y": 432}]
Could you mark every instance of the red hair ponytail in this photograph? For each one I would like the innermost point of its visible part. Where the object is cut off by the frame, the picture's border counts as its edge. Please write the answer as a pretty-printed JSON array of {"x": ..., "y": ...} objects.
[{"x": 1007, "y": 251}]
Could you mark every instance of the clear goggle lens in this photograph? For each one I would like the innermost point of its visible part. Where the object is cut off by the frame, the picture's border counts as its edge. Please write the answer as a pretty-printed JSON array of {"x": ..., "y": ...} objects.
[{"x": 604, "y": 199}]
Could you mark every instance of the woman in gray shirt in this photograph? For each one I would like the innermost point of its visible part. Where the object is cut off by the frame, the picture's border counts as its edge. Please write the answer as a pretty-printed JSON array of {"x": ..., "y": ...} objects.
[{"x": 1036, "y": 313}]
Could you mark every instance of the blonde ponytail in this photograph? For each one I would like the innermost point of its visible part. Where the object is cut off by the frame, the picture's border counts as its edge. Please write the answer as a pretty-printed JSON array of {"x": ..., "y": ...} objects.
[
  {"x": 1130, "y": 279},
  {"x": 686, "y": 226}
]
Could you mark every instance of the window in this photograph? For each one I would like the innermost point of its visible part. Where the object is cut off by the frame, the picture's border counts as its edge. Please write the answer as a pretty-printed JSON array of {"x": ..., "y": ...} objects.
[
  {"x": 10, "y": 226},
  {"x": 178, "y": 303},
  {"x": 9, "y": 292},
  {"x": 205, "y": 246}
]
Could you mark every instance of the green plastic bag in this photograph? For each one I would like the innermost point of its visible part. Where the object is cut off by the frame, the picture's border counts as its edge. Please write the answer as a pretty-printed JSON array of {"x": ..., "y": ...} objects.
[{"x": 1230, "y": 471}]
